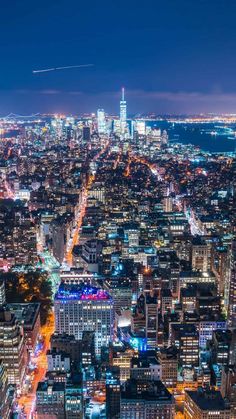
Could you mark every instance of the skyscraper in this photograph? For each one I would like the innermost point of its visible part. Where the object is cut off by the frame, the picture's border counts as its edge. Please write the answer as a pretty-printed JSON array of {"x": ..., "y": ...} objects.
[
  {"x": 12, "y": 347},
  {"x": 101, "y": 121},
  {"x": 81, "y": 307},
  {"x": 123, "y": 114}
]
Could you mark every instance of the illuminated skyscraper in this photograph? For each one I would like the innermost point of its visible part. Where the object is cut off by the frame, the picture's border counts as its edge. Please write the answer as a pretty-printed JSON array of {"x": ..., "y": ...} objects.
[
  {"x": 140, "y": 127},
  {"x": 101, "y": 121},
  {"x": 12, "y": 347},
  {"x": 80, "y": 308},
  {"x": 123, "y": 114}
]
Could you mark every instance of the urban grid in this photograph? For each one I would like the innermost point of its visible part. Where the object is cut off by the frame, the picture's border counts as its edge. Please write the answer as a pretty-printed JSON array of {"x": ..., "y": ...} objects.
[{"x": 117, "y": 268}]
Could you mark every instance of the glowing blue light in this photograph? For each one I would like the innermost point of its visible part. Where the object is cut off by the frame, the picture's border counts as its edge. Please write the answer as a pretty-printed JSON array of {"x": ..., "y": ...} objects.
[{"x": 139, "y": 343}]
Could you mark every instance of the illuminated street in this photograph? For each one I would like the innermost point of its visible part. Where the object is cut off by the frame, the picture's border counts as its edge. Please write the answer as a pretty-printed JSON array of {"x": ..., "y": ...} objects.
[{"x": 28, "y": 401}]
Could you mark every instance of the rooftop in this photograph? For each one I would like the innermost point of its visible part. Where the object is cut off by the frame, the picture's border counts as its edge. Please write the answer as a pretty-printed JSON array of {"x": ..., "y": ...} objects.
[
  {"x": 209, "y": 400},
  {"x": 27, "y": 313},
  {"x": 81, "y": 292},
  {"x": 153, "y": 391}
]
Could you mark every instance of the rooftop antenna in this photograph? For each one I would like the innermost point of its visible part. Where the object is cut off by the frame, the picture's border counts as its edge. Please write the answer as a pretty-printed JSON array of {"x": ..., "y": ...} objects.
[{"x": 123, "y": 93}]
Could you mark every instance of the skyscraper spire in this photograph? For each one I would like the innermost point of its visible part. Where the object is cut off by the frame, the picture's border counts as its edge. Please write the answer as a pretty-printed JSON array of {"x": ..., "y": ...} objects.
[{"x": 123, "y": 114}]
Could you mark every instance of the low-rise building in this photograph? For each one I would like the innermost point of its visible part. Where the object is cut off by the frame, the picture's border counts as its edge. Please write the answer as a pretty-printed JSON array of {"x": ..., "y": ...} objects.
[{"x": 204, "y": 404}]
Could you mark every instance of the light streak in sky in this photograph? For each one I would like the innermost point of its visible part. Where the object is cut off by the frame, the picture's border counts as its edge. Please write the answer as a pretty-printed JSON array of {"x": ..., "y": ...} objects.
[{"x": 46, "y": 70}]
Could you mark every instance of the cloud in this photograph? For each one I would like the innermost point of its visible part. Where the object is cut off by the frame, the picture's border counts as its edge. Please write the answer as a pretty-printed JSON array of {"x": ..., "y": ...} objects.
[
  {"x": 50, "y": 92},
  {"x": 183, "y": 96},
  {"x": 138, "y": 101}
]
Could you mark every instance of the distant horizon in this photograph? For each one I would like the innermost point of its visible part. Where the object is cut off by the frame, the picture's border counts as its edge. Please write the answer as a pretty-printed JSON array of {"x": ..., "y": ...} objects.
[
  {"x": 151, "y": 114},
  {"x": 138, "y": 102}
]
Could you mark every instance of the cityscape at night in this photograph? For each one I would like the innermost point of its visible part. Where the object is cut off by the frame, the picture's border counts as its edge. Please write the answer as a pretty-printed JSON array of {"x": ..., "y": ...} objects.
[{"x": 118, "y": 210}]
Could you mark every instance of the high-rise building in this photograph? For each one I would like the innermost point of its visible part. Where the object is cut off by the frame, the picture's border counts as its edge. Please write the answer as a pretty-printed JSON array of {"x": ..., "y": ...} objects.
[
  {"x": 101, "y": 121},
  {"x": 123, "y": 114},
  {"x": 113, "y": 392},
  {"x": 5, "y": 400},
  {"x": 199, "y": 255},
  {"x": 168, "y": 204},
  {"x": 231, "y": 300},
  {"x": 186, "y": 338},
  {"x": 28, "y": 314},
  {"x": 2, "y": 292},
  {"x": 86, "y": 134},
  {"x": 169, "y": 366},
  {"x": 151, "y": 315},
  {"x": 220, "y": 346},
  {"x": 12, "y": 347},
  {"x": 88, "y": 349},
  {"x": 228, "y": 386},
  {"x": 81, "y": 307},
  {"x": 140, "y": 127}
]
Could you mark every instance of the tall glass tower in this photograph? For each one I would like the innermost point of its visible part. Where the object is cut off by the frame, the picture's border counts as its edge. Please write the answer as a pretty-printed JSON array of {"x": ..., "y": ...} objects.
[
  {"x": 123, "y": 114},
  {"x": 101, "y": 120}
]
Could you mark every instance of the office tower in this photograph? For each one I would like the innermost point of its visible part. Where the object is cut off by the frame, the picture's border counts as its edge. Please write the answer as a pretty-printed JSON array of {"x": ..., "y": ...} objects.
[
  {"x": 231, "y": 300},
  {"x": 86, "y": 134},
  {"x": 91, "y": 254},
  {"x": 142, "y": 399},
  {"x": 97, "y": 191},
  {"x": 220, "y": 346},
  {"x": 166, "y": 301},
  {"x": 220, "y": 264},
  {"x": 167, "y": 204},
  {"x": 28, "y": 314},
  {"x": 204, "y": 404},
  {"x": 58, "y": 242},
  {"x": 207, "y": 326},
  {"x": 88, "y": 348},
  {"x": 12, "y": 347},
  {"x": 123, "y": 115},
  {"x": 164, "y": 137},
  {"x": 113, "y": 392},
  {"x": 5, "y": 401},
  {"x": 169, "y": 366},
  {"x": 122, "y": 359},
  {"x": 186, "y": 338},
  {"x": 101, "y": 121},
  {"x": 228, "y": 386},
  {"x": 132, "y": 233},
  {"x": 175, "y": 280},
  {"x": 140, "y": 127},
  {"x": 121, "y": 291},
  {"x": 151, "y": 315},
  {"x": 2, "y": 292},
  {"x": 50, "y": 400},
  {"x": 199, "y": 255},
  {"x": 81, "y": 307}
]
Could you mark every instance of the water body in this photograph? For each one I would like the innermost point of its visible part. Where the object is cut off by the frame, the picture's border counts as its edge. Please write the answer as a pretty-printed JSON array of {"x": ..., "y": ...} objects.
[{"x": 200, "y": 135}]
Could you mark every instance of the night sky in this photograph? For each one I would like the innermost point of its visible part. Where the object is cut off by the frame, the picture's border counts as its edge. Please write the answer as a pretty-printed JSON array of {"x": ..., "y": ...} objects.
[{"x": 173, "y": 56}]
